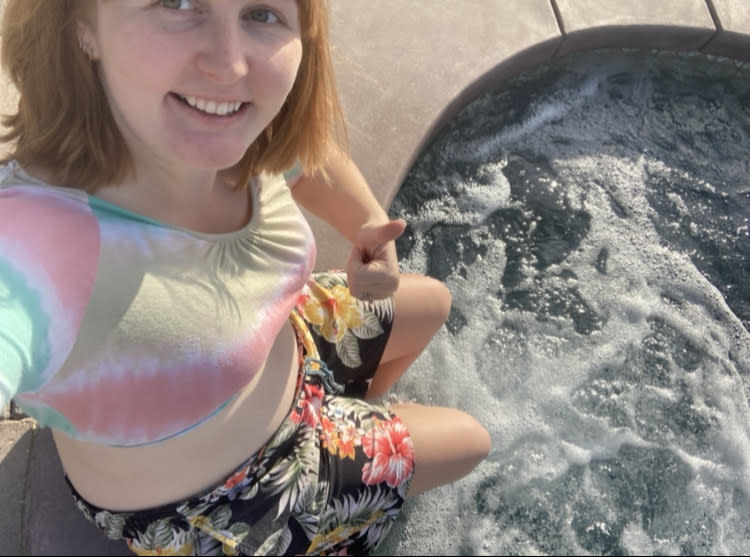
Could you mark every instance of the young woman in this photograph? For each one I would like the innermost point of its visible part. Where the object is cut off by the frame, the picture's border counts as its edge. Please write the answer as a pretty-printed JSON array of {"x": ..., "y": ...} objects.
[{"x": 206, "y": 391}]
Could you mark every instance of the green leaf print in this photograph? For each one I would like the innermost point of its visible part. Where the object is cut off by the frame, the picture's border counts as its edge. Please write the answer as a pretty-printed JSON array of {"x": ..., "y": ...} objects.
[
  {"x": 348, "y": 350},
  {"x": 285, "y": 431},
  {"x": 294, "y": 472},
  {"x": 220, "y": 517},
  {"x": 113, "y": 523},
  {"x": 160, "y": 533},
  {"x": 354, "y": 514},
  {"x": 299, "y": 460},
  {"x": 250, "y": 492},
  {"x": 276, "y": 543},
  {"x": 370, "y": 327},
  {"x": 308, "y": 523},
  {"x": 382, "y": 309},
  {"x": 357, "y": 409},
  {"x": 239, "y": 530},
  {"x": 344, "y": 520}
]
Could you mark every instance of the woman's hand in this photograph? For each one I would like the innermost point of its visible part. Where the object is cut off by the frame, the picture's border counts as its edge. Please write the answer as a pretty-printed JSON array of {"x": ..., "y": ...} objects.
[{"x": 373, "y": 264}]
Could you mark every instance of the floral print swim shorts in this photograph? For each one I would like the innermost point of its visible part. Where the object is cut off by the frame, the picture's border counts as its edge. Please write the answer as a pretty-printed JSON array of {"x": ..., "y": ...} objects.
[{"x": 333, "y": 477}]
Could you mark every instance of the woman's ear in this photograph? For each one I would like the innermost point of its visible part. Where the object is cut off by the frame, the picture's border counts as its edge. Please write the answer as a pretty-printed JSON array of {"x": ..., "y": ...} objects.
[{"x": 86, "y": 40}]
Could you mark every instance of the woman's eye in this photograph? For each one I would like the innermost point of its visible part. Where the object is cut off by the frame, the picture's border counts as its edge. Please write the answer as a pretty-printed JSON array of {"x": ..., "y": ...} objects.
[
  {"x": 262, "y": 15},
  {"x": 177, "y": 4}
]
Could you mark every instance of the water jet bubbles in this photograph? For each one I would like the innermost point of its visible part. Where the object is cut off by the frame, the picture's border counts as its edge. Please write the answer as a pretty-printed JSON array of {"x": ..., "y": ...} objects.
[
  {"x": 601, "y": 260},
  {"x": 598, "y": 260}
]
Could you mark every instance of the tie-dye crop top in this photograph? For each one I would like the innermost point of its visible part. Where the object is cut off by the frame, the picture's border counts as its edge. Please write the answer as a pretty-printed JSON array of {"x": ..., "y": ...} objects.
[{"x": 119, "y": 329}]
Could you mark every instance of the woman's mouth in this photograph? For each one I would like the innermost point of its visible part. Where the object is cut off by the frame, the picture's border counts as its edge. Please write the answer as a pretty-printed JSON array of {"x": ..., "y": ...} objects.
[{"x": 211, "y": 107}]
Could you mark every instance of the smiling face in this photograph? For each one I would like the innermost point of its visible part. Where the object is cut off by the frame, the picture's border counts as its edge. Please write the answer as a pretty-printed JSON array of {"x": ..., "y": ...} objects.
[{"x": 193, "y": 82}]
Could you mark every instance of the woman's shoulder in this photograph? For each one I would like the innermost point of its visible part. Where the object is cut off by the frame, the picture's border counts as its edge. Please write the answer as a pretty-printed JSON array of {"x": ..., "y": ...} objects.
[
  {"x": 35, "y": 215},
  {"x": 19, "y": 187},
  {"x": 12, "y": 173},
  {"x": 49, "y": 253}
]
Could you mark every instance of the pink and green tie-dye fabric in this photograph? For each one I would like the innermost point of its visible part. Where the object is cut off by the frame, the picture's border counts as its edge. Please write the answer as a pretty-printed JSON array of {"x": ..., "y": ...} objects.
[{"x": 119, "y": 329}]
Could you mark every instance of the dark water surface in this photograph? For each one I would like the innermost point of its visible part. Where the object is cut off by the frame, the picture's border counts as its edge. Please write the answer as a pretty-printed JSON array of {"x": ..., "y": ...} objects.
[{"x": 591, "y": 220}]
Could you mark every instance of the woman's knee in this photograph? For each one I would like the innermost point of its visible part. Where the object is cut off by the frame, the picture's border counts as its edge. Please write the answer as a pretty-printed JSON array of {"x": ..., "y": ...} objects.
[
  {"x": 476, "y": 438},
  {"x": 432, "y": 295},
  {"x": 442, "y": 297}
]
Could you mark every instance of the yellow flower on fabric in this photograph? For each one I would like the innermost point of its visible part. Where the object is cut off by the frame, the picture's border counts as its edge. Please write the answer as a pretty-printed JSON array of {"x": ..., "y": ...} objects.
[{"x": 334, "y": 315}]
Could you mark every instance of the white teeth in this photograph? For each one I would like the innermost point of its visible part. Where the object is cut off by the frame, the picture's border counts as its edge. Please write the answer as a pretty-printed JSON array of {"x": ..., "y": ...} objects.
[{"x": 212, "y": 107}]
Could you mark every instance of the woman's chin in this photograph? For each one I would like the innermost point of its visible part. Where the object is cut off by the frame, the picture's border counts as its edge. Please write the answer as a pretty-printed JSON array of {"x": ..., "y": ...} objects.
[{"x": 219, "y": 161}]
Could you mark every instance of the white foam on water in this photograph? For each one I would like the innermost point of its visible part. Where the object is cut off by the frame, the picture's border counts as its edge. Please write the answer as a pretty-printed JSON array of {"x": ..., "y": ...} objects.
[
  {"x": 553, "y": 107},
  {"x": 562, "y": 405}
]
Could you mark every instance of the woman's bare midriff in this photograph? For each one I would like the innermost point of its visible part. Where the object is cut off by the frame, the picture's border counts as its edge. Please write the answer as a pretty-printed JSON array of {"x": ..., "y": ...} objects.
[{"x": 126, "y": 479}]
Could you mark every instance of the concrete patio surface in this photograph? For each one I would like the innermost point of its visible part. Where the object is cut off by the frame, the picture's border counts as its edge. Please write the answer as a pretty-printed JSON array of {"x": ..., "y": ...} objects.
[{"x": 404, "y": 69}]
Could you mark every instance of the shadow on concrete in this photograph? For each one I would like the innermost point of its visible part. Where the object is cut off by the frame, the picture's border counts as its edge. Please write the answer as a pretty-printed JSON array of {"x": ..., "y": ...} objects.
[
  {"x": 13, "y": 465},
  {"x": 58, "y": 526}
]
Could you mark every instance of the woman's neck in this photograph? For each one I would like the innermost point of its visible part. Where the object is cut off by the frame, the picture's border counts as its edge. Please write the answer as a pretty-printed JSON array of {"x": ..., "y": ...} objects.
[
  {"x": 210, "y": 204},
  {"x": 204, "y": 201}
]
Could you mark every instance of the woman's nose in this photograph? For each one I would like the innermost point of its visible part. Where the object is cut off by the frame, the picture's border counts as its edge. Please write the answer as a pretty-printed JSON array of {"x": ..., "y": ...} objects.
[{"x": 224, "y": 56}]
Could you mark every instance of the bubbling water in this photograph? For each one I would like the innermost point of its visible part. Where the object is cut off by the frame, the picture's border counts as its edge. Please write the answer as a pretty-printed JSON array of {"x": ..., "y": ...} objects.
[{"x": 591, "y": 221}]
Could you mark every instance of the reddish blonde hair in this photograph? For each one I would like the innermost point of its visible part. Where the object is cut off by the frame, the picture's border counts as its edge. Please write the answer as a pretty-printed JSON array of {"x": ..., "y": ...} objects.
[{"x": 64, "y": 125}]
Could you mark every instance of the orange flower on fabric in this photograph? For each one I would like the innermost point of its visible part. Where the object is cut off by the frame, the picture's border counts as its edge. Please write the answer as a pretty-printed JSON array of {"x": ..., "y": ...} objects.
[
  {"x": 339, "y": 438},
  {"x": 392, "y": 453},
  {"x": 235, "y": 479}
]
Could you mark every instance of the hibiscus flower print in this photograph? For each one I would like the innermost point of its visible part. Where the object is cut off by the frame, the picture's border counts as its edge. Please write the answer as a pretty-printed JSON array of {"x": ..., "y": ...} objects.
[
  {"x": 340, "y": 319},
  {"x": 308, "y": 409},
  {"x": 392, "y": 453},
  {"x": 332, "y": 312}
]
